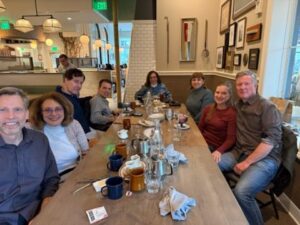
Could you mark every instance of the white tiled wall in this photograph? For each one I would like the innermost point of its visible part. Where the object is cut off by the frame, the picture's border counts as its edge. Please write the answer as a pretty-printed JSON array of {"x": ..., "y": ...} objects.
[{"x": 142, "y": 57}]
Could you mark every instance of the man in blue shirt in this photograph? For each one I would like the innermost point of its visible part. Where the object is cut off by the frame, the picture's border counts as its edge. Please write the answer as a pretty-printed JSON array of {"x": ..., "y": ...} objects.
[
  {"x": 29, "y": 174},
  {"x": 72, "y": 84}
]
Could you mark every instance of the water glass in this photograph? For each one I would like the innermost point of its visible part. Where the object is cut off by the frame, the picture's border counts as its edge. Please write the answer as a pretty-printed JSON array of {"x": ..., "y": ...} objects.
[
  {"x": 153, "y": 183},
  {"x": 176, "y": 133}
]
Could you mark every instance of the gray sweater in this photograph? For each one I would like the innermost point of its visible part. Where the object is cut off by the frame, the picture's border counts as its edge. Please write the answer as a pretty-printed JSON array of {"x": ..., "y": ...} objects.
[
  {"x": 197, "y": 100},
  {"x": 100, "y": 111}
]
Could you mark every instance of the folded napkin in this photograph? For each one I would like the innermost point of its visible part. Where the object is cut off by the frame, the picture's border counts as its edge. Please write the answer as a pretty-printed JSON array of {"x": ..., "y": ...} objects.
[
  {"x": 177, "y": 203},
  {"x": 170, "y": 151}
]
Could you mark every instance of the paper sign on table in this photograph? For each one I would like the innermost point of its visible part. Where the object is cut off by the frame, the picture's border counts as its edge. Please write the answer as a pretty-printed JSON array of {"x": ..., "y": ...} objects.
[{"x": 96, "y": 214}]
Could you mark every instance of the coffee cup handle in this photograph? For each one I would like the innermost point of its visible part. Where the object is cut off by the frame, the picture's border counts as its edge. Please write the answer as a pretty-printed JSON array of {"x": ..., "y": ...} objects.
[
  {"x": 171, "y": 172},
  {"x": 108, "y": 165},
  {"x": 104, "y": 189}
]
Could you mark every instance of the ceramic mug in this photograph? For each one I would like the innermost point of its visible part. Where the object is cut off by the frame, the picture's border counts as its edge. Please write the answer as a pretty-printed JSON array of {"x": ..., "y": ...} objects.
[
  {"x": 115, "y": 162},
  {"x": 121, "y": 149},
  {"x": 113, "y": 188},
  {"x": 126, "y": 124},
  {"x": 137, "y": 179}
]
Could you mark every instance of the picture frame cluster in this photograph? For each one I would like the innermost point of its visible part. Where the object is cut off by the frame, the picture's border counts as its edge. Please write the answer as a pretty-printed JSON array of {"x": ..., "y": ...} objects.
[{"x": 237, "y": 35}]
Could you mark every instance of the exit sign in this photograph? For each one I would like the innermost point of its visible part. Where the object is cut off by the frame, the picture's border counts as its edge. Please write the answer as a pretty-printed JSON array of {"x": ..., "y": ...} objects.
[
  {"x": 54, "y": 49},
  {"x": 4, "y": 25},
  {"x": 100, "y": 5}
]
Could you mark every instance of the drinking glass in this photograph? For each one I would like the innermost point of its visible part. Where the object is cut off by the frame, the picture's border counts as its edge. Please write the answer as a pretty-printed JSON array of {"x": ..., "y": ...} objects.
[
  {"x": 177, "y": 132},
  {"x": 153, "y": 183},
  {"x": 169, "y": 116}
]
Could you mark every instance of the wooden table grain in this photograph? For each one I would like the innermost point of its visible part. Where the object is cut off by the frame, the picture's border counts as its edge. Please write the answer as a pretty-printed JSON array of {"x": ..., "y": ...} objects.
[{"x": 200, "y": 178}]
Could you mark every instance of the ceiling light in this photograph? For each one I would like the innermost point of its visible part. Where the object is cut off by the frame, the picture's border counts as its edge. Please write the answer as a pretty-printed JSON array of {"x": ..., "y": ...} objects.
[
  {"x": 49, "y": 42},
  {"x": 98, "y": 43},
  {"x": 69, "y": 18},
  {"x": 2, "y": 7},
  {"x": 23, "y": 25},
  {"x": 33, "y": 44},
  {"x": 108, "y": 46},
  {"x": 84, "y": 39},
  {"x": 50, "y": 25}
]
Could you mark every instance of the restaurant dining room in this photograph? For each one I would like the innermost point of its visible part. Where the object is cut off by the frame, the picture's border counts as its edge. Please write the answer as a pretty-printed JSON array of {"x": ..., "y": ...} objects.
[{"x": 149, "y": 112}]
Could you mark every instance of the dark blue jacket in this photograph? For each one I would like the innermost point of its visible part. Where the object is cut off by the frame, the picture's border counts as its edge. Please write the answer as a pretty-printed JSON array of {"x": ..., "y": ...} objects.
[{"x": 78, "y": 111}]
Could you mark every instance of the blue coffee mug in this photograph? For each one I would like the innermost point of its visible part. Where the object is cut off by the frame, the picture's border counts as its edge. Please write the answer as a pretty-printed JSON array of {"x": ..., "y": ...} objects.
[
  {"x": 113, "y": 188},
  {"x": 115, "y": 162}
]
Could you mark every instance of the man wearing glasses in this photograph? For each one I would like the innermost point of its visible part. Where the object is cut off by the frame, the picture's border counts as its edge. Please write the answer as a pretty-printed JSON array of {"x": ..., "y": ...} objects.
[
  {"x": 257, "y": 154},
  {"x": 29, "y": 174}
]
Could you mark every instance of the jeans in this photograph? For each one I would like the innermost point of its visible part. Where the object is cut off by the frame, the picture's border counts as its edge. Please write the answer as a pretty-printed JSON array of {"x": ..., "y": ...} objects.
[{"x": 255, "y": 179}]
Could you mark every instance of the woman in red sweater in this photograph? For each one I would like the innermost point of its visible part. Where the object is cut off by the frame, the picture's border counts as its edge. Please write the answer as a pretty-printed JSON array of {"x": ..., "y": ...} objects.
[{"x": 218, "y": 122}]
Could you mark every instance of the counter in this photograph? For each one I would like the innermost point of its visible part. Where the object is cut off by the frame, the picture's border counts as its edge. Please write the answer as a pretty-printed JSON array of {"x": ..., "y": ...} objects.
[{"x": 37, "y": 83}]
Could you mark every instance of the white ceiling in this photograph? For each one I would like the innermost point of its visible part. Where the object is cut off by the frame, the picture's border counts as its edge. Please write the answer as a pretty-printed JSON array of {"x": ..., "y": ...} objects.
[{"x": 80, "y": 11}]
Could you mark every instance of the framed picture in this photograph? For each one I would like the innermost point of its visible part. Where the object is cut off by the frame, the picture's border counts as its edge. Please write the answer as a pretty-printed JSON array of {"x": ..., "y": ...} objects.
[
  {"x": 232, "y": 31},
  {"x": 237, "y": 59},
  {"x": 220, "y": 57},
  {"x": 188, "y": 39},
  {"x": 229, "y": 60},
  {"x": 253, "y": 33},
  {"x": 253, "y": 58},
  {"x": 240, "y": 33},
  {"x": 225, "y": 16},
  {"x": 242, "y": 6}
]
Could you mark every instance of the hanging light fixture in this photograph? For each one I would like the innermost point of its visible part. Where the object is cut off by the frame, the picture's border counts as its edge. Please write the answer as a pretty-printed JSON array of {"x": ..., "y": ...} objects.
[
  {"x": 2, "y": 6},
  {"x": 50, "y": 25},
  {"x": 84, "y": 39},
  {"x": 23, "y": 25},
  {"x": 98, "y": 43},
  {"x": 33, "y": 44},
  {"x": 49, "y": 42},
  {"x": 108, "y": 46}
]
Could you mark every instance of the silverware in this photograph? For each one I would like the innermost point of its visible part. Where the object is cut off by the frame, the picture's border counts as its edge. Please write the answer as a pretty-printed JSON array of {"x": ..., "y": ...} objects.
[{"x": 81, "y": 188}]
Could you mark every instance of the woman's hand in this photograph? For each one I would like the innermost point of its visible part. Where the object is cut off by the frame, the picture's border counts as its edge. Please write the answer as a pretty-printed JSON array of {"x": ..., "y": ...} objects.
[{"x": 216, "y": 156}]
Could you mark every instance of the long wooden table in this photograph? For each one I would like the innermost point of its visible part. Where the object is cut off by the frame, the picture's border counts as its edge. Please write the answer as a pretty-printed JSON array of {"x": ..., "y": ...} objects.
[{"x": 200, "y": 178}]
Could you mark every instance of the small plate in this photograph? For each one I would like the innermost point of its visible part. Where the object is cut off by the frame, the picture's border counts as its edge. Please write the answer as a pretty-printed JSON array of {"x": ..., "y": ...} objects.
[
  {"x": 124, "y": 171},
  {"x": 183, "y": 127},
  {"x": 157, "y": 116},
  {"x": 146, "y": 123},
  {"x": 148, "y": 132}
]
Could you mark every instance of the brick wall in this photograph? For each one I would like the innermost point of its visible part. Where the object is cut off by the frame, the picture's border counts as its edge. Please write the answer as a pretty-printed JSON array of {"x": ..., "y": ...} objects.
[{"x": 142, "y": 57}]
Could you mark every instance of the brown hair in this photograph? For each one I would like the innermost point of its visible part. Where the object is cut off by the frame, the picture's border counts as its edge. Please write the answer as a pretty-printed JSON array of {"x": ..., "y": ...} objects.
[
  {"x": 148, "y": 83},
  {"x": 35, "y": 110},
  {"x": 228, "y": 103},
  {"x": 15, "y": 91},
  {"x": 71, "y": 73},
  {"x": 197, "y": 75}
]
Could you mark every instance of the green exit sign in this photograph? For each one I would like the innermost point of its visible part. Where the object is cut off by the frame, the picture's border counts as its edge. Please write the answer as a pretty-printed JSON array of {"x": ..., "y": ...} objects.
[
  {"x": 54, "y": 49},
  {"x": 4, "y": 25},
  {"x": 100, "y": 5}
]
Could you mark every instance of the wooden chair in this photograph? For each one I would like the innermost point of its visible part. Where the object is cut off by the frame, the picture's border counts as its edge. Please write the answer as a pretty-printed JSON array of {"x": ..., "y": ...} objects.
[{"x": 284, "y": 174}]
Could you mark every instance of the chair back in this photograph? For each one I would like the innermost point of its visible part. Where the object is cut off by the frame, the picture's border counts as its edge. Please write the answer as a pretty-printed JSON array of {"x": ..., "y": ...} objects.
[{"x": 289, "y": 151}]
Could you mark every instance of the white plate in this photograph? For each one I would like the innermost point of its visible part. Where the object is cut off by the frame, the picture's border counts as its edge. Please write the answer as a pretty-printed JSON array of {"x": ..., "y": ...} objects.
[
  {"x": 146, "y": 123},
  {"x": 124, "y": 171},
  {"x": 183, "y": 127},
  {"x": 148, "y": 132},
  {"x": 157, "y": 116}
]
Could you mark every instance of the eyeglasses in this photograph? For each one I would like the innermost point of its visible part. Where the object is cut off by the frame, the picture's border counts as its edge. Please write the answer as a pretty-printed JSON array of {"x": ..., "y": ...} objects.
[{"x": 51, "y": 110}]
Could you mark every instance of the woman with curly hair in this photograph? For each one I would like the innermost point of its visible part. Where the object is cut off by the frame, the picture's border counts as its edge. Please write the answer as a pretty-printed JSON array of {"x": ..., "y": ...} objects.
[{"x": 52, "y": 114}]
